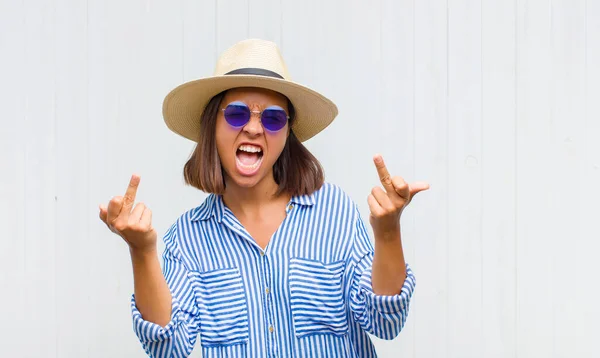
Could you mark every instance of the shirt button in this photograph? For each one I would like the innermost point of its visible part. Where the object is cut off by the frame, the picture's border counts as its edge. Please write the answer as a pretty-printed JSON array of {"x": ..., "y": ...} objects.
[
  {"x": 267, "y": 291},
  {"x": 290, "y": 207},
  {"x": 262, "y": 253},
  {"x": 271, "y": 329}
]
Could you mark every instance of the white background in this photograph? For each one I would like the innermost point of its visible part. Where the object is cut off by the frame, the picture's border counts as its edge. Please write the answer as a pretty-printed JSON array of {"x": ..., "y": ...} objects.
[{"x": 495, "y": 103}]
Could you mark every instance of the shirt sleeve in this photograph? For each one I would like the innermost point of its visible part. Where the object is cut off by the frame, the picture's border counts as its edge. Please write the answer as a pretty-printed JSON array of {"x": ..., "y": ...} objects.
[
  {"x": 178, "y": 337},
  {"x": 381, "y": 316}
]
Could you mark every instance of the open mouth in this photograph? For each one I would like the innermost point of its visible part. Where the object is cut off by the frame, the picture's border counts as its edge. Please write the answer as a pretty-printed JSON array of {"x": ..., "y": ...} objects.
[{"x": 248, "y": 158}]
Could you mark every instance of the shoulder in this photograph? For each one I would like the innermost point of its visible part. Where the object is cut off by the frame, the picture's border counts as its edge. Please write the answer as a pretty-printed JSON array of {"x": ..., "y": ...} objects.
[
  {"x": 201, "y": 212},
  {"x": 333, "y": 196},
  {"x": 330, "y": 190},
  {"x": 188, "y": 223}
]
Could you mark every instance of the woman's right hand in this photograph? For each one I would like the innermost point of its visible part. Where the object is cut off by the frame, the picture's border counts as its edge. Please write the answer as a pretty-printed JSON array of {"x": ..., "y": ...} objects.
[{"x": 135, "y": 227}]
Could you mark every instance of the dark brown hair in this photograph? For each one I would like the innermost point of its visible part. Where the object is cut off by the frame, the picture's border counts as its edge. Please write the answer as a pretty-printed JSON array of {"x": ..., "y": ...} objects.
[{"x": 296, "y": 171}]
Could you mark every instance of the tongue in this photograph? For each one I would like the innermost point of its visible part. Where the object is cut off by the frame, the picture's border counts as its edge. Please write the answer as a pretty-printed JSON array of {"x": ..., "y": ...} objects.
[{"x": 247, "y": 158}]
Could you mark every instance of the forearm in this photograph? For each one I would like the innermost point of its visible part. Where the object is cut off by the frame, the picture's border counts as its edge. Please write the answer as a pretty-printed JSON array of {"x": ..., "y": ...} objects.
[
  {"x": 152, "y": 295},
  {"x": 389, "y": 268}
]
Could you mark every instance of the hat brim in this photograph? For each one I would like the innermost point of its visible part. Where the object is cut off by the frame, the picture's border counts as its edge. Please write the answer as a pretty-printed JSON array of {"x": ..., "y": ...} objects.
[{"x": 183, "y": 106}]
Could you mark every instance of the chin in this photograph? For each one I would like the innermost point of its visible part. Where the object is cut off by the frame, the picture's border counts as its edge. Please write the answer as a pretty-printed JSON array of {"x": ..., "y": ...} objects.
[{"x": 247, "y": 181}]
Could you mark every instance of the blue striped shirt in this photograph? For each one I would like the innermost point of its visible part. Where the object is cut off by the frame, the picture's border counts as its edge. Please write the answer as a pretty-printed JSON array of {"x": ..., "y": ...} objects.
[{"x": 307, "y": 294}]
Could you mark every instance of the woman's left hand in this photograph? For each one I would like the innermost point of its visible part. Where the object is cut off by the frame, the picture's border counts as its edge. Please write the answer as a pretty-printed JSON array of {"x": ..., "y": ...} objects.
[{"x": 387, "y": 205}]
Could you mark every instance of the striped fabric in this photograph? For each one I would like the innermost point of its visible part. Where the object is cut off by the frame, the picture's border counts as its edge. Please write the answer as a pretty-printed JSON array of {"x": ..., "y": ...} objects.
[{"x": 308, "y": 294}]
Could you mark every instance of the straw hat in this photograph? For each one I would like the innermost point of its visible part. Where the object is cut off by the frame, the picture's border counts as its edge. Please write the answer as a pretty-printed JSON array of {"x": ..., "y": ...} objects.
[{"x": 249, "y": 63}]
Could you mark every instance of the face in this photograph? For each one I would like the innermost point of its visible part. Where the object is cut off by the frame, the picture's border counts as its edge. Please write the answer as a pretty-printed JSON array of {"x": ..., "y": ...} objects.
[{"x": 248, "y": 152}]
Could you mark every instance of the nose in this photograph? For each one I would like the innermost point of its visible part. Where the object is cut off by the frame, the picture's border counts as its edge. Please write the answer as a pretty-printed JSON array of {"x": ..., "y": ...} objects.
[{"x": 254, "y": 126}]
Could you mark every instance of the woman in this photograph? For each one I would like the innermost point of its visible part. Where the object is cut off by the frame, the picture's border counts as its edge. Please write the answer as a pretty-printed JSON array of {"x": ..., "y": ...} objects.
[{"x": 275, "y": 262}]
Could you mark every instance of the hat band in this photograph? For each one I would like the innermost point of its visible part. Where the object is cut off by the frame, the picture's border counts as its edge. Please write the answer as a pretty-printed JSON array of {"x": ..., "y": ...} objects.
[{"x": 254, "y": 71}]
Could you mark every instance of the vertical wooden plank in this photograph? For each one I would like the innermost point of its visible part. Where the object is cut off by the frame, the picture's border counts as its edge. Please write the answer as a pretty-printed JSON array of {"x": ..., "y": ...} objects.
[
  {"x": 536, "y": 218},
  {"x": 110, "y": 51},
  {"x": 233, "y": 23},
  {"x": 567, "y": 170},
  {"x": 395, "y": 136},
  {"x": 465, "y": 316},
  {"x": 264, "y": 19},
  {"x": 39, "y": 317},
  {"x": 73, "y": 251},
  {"x": 587, "y": 329},
  {"x": 128, "y": 135},
  {"x": 12, "y": 180},
  {"x": 199, "y": 41},
  {"x": 321, "y": 59},
  {"x": 498, "y": 178},
  {"x": 431, "y": 163}
]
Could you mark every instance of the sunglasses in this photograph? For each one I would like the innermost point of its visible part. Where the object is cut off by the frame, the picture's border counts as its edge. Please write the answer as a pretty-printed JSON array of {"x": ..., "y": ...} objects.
[{"x": 273, "y": 118}]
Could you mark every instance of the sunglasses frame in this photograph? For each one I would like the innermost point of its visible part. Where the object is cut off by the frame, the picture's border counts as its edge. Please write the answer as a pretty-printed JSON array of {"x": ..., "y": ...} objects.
[{"x": 258, "y": 113}]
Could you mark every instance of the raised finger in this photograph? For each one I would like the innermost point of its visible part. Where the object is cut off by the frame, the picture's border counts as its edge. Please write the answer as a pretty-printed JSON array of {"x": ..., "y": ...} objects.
[
  {"x": 384, "y": 175},
  {"x": 131, "y": 192},
  {"x": 114, "y": 209}
]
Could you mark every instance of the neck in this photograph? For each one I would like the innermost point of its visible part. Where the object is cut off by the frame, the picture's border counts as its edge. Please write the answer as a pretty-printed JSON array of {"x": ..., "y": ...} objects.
[{"x": 249, "y": 201}]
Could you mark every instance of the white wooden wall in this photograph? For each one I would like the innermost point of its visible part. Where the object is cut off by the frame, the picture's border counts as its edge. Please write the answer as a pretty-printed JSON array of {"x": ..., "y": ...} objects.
[{"x": 494, "y": 102}]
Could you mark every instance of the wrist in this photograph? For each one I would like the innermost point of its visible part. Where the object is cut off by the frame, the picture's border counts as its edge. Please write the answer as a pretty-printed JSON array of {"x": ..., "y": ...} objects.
[
  {"x": 143, "y": 254},
  {"x": 391, "y": 235}
]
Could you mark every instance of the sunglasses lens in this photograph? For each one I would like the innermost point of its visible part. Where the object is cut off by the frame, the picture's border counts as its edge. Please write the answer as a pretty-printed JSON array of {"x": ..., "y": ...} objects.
[
  {"x": 237, "y": 115},
  {"x": 274, "y": 119}
]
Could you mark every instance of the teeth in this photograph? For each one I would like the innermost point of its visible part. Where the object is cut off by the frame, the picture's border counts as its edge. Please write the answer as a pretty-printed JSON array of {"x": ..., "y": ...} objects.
[{"x": 250, "y": 148}]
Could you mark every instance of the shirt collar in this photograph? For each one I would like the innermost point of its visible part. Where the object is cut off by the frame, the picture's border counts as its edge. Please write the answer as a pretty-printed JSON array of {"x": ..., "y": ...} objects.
[
  {"x": 305, "y": 200},
  {"x": 213, "y": 206}
]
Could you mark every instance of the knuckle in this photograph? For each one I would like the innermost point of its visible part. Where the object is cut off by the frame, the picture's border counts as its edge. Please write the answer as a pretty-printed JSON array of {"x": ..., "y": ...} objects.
[
  {"x": 127, "y": 200},
  {"x": 399, "y": 181},
  {"x": 401, "y": 189},
  {"x": 120, "y": 227},
  {"x": 132, "y": 224}
]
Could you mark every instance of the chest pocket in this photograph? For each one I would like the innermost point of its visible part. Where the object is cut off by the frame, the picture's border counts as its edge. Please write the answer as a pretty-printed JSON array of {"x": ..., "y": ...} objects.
[
  {"x": 223, "y": 309},
  {"x": 317, "y": 297}
]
